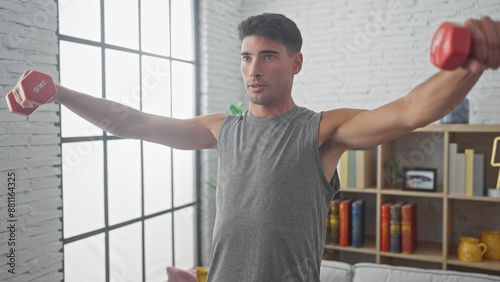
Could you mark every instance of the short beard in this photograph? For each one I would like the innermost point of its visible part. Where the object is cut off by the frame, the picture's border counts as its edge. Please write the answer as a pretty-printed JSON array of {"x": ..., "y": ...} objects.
[{"x": 261, "y": 101}]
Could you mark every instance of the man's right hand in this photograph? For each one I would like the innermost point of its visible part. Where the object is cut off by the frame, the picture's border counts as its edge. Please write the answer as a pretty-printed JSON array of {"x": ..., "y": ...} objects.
[{"x": 32, "y": 90}]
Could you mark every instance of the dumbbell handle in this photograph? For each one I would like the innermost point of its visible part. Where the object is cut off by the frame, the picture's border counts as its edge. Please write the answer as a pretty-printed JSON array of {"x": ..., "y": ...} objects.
[
  {"x": 33, "y": 90},
  {"x": 450, "y": 46}
]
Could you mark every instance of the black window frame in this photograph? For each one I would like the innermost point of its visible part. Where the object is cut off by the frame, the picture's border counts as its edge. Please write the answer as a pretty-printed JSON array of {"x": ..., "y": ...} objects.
[{"x": 105, "y": 138}]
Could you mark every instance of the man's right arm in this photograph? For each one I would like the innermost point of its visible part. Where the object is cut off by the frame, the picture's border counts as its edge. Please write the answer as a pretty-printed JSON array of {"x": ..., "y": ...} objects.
[{"x": 187, "y": 134}]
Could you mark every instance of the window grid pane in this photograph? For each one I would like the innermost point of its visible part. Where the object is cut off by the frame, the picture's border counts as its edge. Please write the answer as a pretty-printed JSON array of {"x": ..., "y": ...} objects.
[
  {"x": 87, "y": 78},
  {"x": 136, "y": 177},
  {"x": 122, "y": 79},
  {"x": 156, "y": 86},
  {"x": 157, "y": 178},
  {"x": 122, "y": 23},
  {"x": 125, "y": 253},
  {"x": 184, "y": 237},
  {"x": 82, "y": 160},
  {"x": 155, "y": 31},
  {"x": 124, "y": 180},
  {"x": 80, "y": 18},
  {"x": 158, "y": 244},
  {"x": 182, "y": 29},
  {"x": 182, "y": 90},
  {"x": 84, "y": 259},
  {"x": 183, "y": 177}
]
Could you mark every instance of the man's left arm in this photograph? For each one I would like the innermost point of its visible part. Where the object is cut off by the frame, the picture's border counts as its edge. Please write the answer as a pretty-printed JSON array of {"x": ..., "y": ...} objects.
[{"x": 428, "y": 102}]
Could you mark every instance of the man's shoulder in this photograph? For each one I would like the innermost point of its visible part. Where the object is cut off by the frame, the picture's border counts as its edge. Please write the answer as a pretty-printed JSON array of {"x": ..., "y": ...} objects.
[
  {"x": 332, "y": 120},
  {"x": 212, "y": 122},
  {"x": 337, "y": 117}
]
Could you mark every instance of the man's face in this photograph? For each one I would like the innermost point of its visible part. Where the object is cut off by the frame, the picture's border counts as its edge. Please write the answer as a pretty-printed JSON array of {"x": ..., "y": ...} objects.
[{"x": 267, "y": 70}]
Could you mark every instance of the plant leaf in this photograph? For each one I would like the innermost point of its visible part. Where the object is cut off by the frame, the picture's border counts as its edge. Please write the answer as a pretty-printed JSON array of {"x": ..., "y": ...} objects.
[
  {"x": 211, "y": 186},
  {"x": 234, "y": 110}
]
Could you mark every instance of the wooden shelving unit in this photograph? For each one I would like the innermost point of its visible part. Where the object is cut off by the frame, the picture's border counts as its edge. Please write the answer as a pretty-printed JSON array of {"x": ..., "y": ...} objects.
[
  {"x": 427, "y": 251},
  {"x": 439, "y": 245},
  {"x": 369, "y": 247}
]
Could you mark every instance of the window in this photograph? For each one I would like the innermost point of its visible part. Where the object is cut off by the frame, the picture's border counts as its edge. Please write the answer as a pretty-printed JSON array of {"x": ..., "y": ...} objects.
[{"x": 129, "y": 206}]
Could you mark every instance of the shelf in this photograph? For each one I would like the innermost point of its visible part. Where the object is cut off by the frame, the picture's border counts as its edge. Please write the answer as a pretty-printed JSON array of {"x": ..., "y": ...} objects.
[
  {"x": 443, "y": 216},
  {"x": 357, "y": 190},
  {"x": 481, "y": 128},
  {"x": 487, "y": 264},
  {"x": 412, "y": 194},
  {"x": 426, "y": 251},
  {"x": 367, "y": 248},
  {"x": 470, "y": 198}
]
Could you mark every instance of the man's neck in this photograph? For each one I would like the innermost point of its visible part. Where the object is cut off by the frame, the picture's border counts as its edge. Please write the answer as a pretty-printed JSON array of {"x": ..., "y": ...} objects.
[{"x": 267, "y": 111}]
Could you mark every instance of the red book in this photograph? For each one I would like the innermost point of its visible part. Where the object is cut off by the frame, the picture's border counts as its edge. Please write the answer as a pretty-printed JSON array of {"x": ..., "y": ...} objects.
[
  {"x": 345, "y": 222},
  {"x": 385, "y": 218},
  {"x": 408, "y": 228}
]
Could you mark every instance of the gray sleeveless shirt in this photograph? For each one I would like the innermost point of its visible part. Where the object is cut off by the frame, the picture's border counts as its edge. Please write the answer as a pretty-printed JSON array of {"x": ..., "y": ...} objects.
[{"x": 272, "y": 199}]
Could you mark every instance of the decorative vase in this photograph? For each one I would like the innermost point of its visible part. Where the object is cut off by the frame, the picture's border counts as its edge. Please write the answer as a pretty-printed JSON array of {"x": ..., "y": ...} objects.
[
  {"x": 492, "y": 241},
  {"x": 471, "y": 250},
  {"x": 459, "y": 115},
  {"x": 494, "y": 192}
]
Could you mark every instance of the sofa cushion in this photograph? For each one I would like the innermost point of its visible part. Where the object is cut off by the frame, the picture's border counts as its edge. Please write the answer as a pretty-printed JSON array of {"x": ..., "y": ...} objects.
[
  {"x": 335, "y": 271},
  {"x": 386, "y": 273},
  {"x": 180, "y": 275}
]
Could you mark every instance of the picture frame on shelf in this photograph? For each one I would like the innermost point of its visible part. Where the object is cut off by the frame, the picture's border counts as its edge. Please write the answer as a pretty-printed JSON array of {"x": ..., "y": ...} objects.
[{"x": 419, "y": 179}]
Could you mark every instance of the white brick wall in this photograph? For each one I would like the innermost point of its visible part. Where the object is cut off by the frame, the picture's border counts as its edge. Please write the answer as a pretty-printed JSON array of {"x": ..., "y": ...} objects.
[
  {"x": 221, "y": 86},
  {"x": 363, "y": 54},
  {"x": 30, "y": 147}
]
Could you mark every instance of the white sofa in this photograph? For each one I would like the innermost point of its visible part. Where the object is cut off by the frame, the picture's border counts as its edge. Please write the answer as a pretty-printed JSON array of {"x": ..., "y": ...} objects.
[{"x": 334, "y": 271}]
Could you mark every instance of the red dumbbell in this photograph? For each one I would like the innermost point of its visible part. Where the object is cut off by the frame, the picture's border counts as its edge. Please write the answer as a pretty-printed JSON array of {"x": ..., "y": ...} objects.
[
  {"x": 450, "y": 46},
  {"x": 33, "y": 90}
]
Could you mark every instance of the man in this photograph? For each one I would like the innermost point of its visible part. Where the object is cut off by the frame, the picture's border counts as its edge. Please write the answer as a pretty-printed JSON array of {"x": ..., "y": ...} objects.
[{"x": 277, "y": 161}]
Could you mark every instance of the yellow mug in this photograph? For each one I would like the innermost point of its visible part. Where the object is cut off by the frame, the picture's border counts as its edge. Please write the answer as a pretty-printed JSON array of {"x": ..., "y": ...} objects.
[
  {"x": 471, "y": 250},
  {"x": 492, "y": 241}
]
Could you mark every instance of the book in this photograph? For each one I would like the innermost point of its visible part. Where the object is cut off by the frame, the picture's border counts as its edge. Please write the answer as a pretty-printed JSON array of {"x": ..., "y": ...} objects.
[
  {"x": 333, "y": 223},
  {"x": 395, "y": 227},
  {"x": 345, "y": 222},
  {"x": 357, "y": 223},
  {"x": 408, "y": 228},
  {"x": 469, "y": 171},
  {"x": 364, "y": 175},
  {"x": 478, "y": 175},
  {"x": 460, "y": 176},
  {"x": 351, "y": 169},
  {"x": 385, "y": 217},
  {"x": 452, "y": 168},
  {"x": 344, "y": 169}
]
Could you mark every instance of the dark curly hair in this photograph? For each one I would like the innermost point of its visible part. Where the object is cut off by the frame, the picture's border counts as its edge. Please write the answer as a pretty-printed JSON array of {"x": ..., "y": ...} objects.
[{"x": 273, "y": 26}]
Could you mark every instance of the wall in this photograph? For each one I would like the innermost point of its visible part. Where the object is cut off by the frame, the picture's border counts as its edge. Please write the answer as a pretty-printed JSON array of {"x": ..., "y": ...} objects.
[
  {"x": 29, "y": 149},
  {"x": 220, "y": 85},
  {"x": 363, "y": 54}
]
